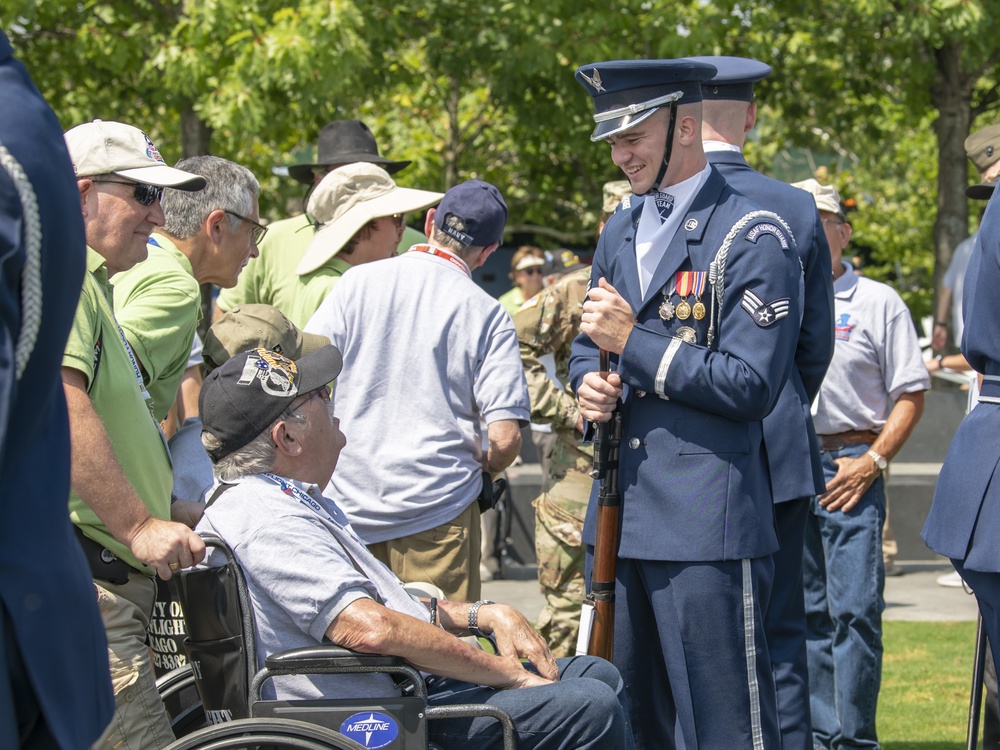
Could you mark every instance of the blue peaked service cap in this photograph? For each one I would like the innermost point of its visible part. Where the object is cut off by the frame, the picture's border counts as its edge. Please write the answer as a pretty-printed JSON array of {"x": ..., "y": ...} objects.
[
  {"x": 735, "y": 77},
  {"x": 626, "y": 92}
]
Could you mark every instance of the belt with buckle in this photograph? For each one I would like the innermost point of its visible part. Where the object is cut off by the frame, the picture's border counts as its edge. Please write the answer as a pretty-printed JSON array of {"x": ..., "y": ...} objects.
[{"x": 843, "y": 439}]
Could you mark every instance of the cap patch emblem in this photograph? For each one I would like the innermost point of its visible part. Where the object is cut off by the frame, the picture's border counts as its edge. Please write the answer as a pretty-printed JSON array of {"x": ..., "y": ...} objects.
[
  {"x": 595, "y": 80},
  {"x": 151, "y": 151},
  {"x": 276, "y": 374},
  {"x": 764, "y": 314}
]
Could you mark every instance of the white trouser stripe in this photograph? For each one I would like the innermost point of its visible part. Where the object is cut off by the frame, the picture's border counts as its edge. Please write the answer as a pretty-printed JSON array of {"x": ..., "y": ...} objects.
[
  {"x": 661, "y": 371},
  {"x": 750, "y": 646}
]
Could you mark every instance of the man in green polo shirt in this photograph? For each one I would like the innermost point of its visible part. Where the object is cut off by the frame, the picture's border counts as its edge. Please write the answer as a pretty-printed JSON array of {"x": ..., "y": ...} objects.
[
  {"x": 208, "y": 237},
  {"x": 121, "y": 478},
  {"x": 271, "y": 279}
]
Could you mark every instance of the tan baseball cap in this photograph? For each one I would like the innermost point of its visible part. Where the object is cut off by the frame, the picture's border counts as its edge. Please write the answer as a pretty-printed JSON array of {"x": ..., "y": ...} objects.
[
  {"x": 251, "y": 326},
  {"x": 347, "y": 199},
  {"x": 983, "y": 147},
  {"x": 101, "y": 147},
  {"x": 826, "y": 196},
  {"x": 614, "y": 192}
]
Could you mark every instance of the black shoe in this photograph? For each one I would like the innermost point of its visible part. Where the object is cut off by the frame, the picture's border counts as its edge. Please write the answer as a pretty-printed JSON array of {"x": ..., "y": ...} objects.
[{"x": 891, "y": 569}]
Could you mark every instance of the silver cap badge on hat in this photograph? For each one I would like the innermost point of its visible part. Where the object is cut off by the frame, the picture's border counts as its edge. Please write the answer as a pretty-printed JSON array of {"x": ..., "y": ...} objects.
[{"x": 594, "y": 80}]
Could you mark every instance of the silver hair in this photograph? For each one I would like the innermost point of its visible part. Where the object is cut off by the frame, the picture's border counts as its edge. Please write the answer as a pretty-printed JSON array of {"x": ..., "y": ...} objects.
[
  {"x": 440, "y": 238},
  {"x": 255, "y": 457},
  {"x": 230, "y": 186}
]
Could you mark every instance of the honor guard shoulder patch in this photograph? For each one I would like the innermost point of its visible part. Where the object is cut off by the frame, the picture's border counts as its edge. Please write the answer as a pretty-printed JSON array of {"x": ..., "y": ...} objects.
[
  {"x": 754, "y": 233},
  {"x": 764, "y": 314}
]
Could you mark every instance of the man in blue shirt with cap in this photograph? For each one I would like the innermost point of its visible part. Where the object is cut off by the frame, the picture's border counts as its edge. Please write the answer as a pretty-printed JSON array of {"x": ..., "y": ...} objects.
[
  {"x": 696, "y": 293},
  {"x": 793, "y": 451}
]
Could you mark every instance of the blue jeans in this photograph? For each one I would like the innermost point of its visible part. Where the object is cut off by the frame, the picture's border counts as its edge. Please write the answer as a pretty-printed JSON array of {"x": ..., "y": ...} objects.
[
  {"x": 586, "y": 708},
  {"x": 844, "y": 579}
]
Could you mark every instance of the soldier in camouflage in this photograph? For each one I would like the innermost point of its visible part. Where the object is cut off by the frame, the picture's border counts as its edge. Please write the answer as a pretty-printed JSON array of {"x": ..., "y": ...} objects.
[{"x": 547, "y": 324}]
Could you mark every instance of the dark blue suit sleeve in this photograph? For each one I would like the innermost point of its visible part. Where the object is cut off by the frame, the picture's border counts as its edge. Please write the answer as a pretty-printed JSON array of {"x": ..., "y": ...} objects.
[
  {"x": 815, "y": 347},
  {"x": 584, "y": 354}
]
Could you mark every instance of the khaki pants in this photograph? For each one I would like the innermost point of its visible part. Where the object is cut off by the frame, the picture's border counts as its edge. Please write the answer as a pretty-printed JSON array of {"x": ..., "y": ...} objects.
[
  {"x": 447, "y": 556},
  {"x": 140, "y": 721}
]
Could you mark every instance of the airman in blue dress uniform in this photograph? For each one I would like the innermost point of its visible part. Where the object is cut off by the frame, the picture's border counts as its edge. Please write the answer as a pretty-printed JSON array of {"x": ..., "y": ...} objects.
[
  {"x": 965, "y": 515},
  {"x": 793, "y": 451},
  {"x": 696, "y": 292}
]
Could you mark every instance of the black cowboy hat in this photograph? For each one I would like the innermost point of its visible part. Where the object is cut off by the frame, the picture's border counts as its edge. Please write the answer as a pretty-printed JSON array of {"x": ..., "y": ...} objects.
[{"x": 345, "y": 142}]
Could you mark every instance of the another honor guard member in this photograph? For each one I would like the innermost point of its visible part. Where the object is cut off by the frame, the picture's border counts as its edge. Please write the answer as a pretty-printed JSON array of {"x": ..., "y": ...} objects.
[
  {"x": 54, "y": 671},
  {"x": 430, "y": 357},
  {"x": 965, "y": 515},
  {"x": 547, "y": 324},
  {"x": 121, "y": 478},
  {"x": 869, "y": 403},
  {"x": 793, "y": 456},
  {"x": 696, "y": 292},
  {"x": 274, "y": 278}
]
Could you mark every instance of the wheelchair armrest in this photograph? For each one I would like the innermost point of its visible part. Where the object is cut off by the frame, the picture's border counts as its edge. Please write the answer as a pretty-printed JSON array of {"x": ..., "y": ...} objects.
[{"x": 311, "y": 657}]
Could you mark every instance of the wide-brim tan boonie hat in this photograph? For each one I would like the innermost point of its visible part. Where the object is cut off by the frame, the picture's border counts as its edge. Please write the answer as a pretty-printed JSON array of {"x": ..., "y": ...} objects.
[
  {"x": 101, "y": 147},
  {"x": 347, "y": 199}
]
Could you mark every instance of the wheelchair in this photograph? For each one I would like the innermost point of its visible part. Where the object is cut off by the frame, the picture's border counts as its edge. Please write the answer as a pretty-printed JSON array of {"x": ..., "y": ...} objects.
[{"x": 222, "y": 658}]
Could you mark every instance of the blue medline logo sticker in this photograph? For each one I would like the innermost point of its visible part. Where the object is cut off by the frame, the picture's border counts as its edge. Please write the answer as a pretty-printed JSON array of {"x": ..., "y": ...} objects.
[{"x": 373, "y": 731}]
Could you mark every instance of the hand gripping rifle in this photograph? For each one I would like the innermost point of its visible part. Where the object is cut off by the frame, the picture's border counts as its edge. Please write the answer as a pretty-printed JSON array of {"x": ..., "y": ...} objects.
[{"x": 602, "y": 584}]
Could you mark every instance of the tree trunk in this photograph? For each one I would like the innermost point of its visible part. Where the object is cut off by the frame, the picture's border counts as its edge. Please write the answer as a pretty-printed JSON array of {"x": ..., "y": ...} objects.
[
  {"x": 196, "y": 136},
  {"x": 952, "y": 96}
]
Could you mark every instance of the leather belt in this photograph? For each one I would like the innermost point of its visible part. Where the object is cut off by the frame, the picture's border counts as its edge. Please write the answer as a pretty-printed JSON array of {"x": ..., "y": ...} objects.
[{"x": 843, "y": 439}]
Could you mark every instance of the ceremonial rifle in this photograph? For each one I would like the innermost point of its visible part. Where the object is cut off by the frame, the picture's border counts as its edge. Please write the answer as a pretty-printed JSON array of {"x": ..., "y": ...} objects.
[{"x": 602, "y": 585}]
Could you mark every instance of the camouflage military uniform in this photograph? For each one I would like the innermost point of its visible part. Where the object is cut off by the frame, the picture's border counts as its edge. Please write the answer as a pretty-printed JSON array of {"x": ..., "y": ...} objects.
[{"x": 547, "y": 323}]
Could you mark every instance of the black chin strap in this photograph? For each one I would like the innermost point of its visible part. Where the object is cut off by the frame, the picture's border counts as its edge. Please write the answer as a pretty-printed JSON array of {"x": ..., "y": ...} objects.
[{"x": 667, "y": 149}]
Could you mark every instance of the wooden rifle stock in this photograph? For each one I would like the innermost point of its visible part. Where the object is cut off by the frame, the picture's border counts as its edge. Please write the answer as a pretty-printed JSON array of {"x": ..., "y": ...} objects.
[{"x": 602, "y": 584}]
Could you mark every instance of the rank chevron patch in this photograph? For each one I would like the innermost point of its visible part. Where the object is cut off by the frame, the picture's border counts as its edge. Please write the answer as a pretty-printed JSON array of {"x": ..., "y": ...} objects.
[{"x": 764, "y": 314}]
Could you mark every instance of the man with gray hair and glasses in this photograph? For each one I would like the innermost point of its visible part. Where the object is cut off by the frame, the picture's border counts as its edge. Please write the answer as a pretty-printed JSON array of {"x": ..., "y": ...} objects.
[{"x": 207, "y": 238}]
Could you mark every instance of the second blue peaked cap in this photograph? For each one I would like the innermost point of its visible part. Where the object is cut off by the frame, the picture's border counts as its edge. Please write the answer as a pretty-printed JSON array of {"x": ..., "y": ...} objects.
[
  {"x": 626, "y": 92},
  {"x": 735, "y": 77}
]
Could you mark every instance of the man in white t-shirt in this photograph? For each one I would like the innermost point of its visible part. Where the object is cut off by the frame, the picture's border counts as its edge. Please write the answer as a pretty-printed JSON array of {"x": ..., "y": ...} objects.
[
  {"x": 869, "y": 403},
  {"x": 431, "y": 355}
]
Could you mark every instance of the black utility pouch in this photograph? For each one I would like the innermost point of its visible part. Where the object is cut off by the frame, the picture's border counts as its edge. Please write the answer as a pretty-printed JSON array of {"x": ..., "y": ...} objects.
[{"x": 104, "y": 566}]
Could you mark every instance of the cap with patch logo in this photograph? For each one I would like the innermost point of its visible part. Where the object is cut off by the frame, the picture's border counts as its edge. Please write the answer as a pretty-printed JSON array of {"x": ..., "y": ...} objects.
[{"x": 106, "y": 147}]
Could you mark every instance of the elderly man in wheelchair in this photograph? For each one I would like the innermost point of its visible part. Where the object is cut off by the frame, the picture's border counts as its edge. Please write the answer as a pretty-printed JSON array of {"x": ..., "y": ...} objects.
[{"x": 270, "y": 429}]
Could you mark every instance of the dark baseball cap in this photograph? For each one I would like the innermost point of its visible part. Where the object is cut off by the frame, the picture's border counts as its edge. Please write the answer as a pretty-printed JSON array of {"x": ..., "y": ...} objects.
[
  {"x": 243, "y": 397},
  {"x": 480, "y": 207}
]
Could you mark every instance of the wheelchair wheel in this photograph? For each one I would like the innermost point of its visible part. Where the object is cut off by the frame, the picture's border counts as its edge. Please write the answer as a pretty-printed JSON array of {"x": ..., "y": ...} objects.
[
  {"x": 248, "y": 734},
  {"x": 181, "y": 700}
]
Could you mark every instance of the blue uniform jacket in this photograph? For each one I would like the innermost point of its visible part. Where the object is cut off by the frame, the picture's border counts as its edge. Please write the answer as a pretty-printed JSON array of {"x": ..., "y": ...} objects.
[
  {"x": 965, "y": 516},
  {"x": 792, "y": 446},
  {"x": 692, "y": 473},
  {"x": 45, "y": 586}
]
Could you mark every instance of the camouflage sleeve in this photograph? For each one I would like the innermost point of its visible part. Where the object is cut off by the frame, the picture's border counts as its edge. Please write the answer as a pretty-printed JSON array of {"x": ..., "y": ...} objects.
[{"x": 539, "y": 332}]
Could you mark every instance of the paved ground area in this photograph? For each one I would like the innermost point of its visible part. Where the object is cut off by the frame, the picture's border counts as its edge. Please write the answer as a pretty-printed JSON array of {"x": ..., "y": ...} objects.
[{"x": 913, "y": 596}]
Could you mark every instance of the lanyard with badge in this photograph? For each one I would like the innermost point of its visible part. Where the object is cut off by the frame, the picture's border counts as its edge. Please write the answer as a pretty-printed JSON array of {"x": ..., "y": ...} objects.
[{"x": 445, "y": 255}]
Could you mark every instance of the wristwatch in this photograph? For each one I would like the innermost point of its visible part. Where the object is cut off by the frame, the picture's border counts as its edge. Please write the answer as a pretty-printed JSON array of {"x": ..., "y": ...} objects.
[
  {"x": 879, "y": 459},
  {"x": 474, "y": 618}
]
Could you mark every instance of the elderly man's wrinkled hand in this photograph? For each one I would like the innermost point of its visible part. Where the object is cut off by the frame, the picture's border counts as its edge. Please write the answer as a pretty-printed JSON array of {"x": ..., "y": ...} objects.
[
  {"x": 516, "y": 638},
  {"x": 166, "y": 546}
]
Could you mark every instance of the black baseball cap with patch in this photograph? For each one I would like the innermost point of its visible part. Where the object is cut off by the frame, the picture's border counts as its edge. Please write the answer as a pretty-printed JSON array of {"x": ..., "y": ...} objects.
[{"x": 243, "y": 397}]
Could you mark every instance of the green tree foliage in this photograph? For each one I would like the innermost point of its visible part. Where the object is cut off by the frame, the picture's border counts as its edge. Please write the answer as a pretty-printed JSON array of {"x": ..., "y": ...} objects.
[{"x": 880, "y": 92}]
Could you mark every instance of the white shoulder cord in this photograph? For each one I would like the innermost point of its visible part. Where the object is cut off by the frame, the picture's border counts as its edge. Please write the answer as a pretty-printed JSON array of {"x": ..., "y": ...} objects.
[
  {"x": 31, "y": 274},
  {"x": 717, "y": 268}
]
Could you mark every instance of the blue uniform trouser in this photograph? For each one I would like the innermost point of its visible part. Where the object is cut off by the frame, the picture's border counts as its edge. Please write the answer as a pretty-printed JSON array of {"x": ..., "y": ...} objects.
[
  {"x": 585, "y": 709},
  {"x": 689, "y": 641},
  {"x": 986, "y": 587},
  {"x": 785, "y": 627},
  {"x": 844, "y": 580}
]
